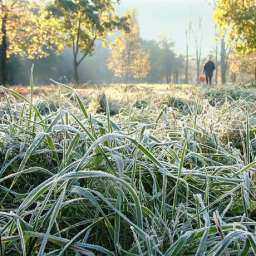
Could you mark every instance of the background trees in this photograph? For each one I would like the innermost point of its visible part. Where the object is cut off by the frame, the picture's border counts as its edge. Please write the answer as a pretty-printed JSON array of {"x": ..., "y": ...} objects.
[
  {"x": 238, "y": 18},
  {"x": 224, "y": 59},
  {"x": 84, "y": 22},
  {"x": 198, "y": 39},
  {"x": 27, "y": 31},
  {"x": 188, "y": 37},
  {"x": 34, "y": 30},
  {"x": 242, "y": 67},
  {"x": 167, "y": 59},
  {"x": 68, "y": 41},
  {"x": 154, "y": 52},
  {"x": 128, "y": 59},
  {"x": 59, "y": 36}
]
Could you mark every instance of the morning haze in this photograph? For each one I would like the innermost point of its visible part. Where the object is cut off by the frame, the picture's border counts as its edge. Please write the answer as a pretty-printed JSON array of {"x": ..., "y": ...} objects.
[{"x": 170, "y": 18}]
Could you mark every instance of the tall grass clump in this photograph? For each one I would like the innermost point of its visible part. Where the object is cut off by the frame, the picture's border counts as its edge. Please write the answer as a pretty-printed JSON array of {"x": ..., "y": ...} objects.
[{"x": 72, "y": 183}]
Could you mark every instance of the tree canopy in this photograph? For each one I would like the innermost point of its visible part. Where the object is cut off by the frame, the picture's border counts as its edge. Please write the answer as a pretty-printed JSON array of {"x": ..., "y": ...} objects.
[
  {"x": 129, "y": 59},
  {"x": 83, "y": 22},
  {"x": 26, "y": 30},
  {"x": 238, "y": 19},
  {"x": 30, "y": 31}
]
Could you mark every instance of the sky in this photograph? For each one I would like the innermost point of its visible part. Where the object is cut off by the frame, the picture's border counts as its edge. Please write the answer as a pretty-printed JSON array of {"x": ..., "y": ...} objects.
[{"x": 169, "y": 18}]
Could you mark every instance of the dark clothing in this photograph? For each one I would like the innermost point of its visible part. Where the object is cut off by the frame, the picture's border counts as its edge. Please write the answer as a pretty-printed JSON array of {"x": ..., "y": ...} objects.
[
  {"x": 209, "y": 68},
  {"x": 209, "y": 78}
]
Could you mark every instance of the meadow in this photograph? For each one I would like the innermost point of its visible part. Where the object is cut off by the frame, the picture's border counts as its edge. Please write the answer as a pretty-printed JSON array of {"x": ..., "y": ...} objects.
[{"x": 128, "y": 170}]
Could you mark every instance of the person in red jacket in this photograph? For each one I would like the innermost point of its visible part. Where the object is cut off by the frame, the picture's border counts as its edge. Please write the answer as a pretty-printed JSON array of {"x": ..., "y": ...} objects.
[{"x": 209, "y": 68}]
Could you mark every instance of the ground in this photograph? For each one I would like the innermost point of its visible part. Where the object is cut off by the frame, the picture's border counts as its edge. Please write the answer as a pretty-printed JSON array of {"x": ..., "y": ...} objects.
[{"x": 128, "y": 170}]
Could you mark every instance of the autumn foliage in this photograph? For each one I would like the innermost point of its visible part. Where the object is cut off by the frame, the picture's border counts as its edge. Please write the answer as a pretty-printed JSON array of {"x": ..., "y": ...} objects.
[
  {"x": 34, "y": 29},
  {"x": 30, "y": 31},
  {"x": 128, "y": 59},
  {"x": 83, "y": 23},
  {"x": 238, "y": 19}
]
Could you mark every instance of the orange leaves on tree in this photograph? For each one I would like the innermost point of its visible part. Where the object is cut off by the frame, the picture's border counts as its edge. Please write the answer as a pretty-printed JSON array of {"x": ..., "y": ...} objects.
[
  {"x": 238, "y": 19},
  {"x": 30, "y": 31},
  {"x": 128, "y": 60}
]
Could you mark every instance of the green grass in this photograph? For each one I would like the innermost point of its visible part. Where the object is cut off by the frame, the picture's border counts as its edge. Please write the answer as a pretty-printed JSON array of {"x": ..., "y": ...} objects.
[{"x": 168, "y": 174}]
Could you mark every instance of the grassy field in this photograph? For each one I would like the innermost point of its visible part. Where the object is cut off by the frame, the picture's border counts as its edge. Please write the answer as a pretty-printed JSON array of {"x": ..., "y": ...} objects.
[{"x": 128, "y": 170}]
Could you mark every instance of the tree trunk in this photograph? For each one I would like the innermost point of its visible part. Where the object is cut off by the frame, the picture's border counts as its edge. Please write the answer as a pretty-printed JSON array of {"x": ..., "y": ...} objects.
[
  {"x": 76, "y": 73},
  {"x": 223, "y": 61},
  {"x": 187, "y": 63},
  {"x": 127, "y": 73},
  {"x": 3, "y": 49},
  {"x": 216, "y": 64},
  {"x": 197, "y": 71},
  {"x": 167, "y": 79},
  {"x": 174, "y": 78},
  {"x": 233, "y": 77},
  {"x": 198, "y": 46},
  {"x": 198, "y": 64}
]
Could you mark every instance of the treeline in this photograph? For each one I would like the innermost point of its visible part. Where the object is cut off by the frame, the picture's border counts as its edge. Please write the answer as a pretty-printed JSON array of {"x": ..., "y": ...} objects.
[
  {"x": 39, "y": 30},
  {"x": 236, "y": 24},
  {"x": 124, "y": 57},
  {"x": 164, "y": 67},
  {"x": 89, "y": 42},
  {"x": 82, "y": 42}
]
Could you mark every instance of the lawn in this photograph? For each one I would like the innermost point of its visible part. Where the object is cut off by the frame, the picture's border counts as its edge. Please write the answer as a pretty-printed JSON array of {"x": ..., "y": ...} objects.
[{"x": 128, "y": 170}]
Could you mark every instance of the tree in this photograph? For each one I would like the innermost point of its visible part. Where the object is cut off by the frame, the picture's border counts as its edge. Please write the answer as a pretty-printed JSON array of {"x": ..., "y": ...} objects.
[
  {"x": 84, "y": 22},
  {"x": 128, "y": 59},
  {"x": 216, "y": 57},
  {"x": 154, "y": 51},
  {"x": 238, "y": 18},
  {"x": 3, "y": 45},
  {"x": 165, "y": 65},
  {"x": 179, "y": 64},
  {"x": 188, "y": 35},
  {"x": 242, "y": 67},
  {"x": 213, "y": 3},
  {"x": 26, "y": 30},
  {"x": 167, "y": 59},
  {"x": 224, "y": 57},
  {"x": 198, "y": 37}
]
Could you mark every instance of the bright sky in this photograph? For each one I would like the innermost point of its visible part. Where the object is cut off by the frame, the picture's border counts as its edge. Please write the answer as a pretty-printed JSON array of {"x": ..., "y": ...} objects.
[{"x": 170, "y": 18}]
